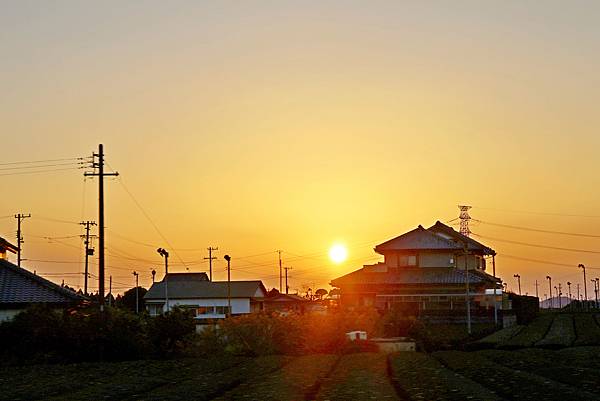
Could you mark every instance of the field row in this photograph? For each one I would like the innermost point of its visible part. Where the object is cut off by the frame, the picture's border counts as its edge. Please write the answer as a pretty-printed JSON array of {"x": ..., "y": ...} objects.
[{"x": 549, "y": 330}]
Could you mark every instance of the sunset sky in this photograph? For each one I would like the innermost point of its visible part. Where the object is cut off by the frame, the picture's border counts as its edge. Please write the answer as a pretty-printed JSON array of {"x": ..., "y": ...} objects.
[{"x": 256, "y": 126}]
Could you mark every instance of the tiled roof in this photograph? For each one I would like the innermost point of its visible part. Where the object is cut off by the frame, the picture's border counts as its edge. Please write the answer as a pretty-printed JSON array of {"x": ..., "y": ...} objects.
[
  {"x": 437, "y": 237},
  {"x": 419, "y": 275},
  {"x": 419, "y": 238},
  {"x": 205, "y": 289},
  {"x": 18, "y": 285},
  {"x": 442, "y": 229}
]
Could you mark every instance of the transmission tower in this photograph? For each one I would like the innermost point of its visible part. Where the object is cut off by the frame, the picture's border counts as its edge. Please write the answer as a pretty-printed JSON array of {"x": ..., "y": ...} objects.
[{"x": 464, "y": 220}]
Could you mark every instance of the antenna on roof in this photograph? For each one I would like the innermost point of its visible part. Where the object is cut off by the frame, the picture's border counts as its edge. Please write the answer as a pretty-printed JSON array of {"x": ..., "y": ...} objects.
[{"x": 464, "y": 220}]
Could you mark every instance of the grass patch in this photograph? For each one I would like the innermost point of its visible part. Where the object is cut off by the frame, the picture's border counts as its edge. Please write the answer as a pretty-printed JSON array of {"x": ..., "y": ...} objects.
[
  {"x": 530, "y": 334},
  {"x": 509, "y": 383},
  {"x": 293, "y": 382},
  {"x": 500, "y": 336},
  {"x": 561, "y": 333},
  {"x": 360, "y": 376},
  {"x": 548, "y": 364},
  {"x": 586, "y": 329},
  {"x": 419, "y": 376}
]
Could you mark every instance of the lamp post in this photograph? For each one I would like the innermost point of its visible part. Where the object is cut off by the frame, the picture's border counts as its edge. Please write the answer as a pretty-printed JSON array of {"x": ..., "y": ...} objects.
[
  {"x": 518, "y": 277},
  {"x": 595, "y": 281},
  {"x": 550, "y": 287},
  {"x": 153, "y": 272},
  {"x": 228, "y": 259},
  {"x": 584, "y": 283},
  {"x": 137, "y": 309},
  {"x": 163, "y": 252}
]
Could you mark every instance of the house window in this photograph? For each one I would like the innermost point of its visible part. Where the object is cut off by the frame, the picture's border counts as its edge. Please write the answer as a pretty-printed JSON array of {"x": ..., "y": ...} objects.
[
  {"x": 222, "y": 310},
  {"x": 205, "y": 310},
  {"x": 407, "y": 260},
  {"x": 155, "y": 309}
]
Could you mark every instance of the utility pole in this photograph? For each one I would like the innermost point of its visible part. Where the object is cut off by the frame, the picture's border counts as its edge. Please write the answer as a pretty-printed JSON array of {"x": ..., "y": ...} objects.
[
  {"x": 136, "y": 275},
  {"x": 20, "y": 217},
  {"x": 109, "y": 291},
  {"x": 570, "y": 299},
  {"x": 495, "y": 300},
  {"x": 559, "y": 296},
  {"x": 100, "y": 174},
  {"x": 228, "y": 259},
  {"x": 210, "y": 259},
  {"x": 287, "y": 288},
  {"x": 464, "y": 220},
  {"x": 280, "y": 272},
  {"x": 536, "y": 290},
  {"x": 578, "y": 296},
  {"x": 88, "y": 251},
  {"x": 550, "y": 288},
  {"x": 466, "y": 253},
  {"x": 518, "y": 277}
]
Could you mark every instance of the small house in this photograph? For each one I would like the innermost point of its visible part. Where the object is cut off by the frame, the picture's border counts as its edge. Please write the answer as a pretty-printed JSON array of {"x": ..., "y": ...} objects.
[{"x": 206, "y": 299}]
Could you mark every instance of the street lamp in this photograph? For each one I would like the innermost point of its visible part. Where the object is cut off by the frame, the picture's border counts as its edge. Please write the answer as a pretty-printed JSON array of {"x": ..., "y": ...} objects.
[
  {"x": 228, "y": 259},
  {"x": 136, "y": 275},
  {"x": 163, "y": 252},
  {"x": 518, "y": 277},
  {"x": 584, "y": 283},
  {"x": 550, "y": 287}
]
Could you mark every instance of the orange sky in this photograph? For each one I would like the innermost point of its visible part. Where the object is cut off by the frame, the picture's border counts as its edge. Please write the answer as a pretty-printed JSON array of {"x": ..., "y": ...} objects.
[{"x": 256, "y": 127}]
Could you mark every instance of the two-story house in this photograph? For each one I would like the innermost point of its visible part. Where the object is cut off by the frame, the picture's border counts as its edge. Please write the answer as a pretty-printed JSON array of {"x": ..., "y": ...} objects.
[{"x": 423, "y": 269}]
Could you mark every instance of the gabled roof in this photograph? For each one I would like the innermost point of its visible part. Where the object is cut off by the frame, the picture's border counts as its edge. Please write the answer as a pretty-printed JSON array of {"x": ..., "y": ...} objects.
[
  {"x": 417, "y": 239},
  {"x": 286, "y": 298},
  {"x": 19, "y": 286},
  {"x": 448, "y": 232},
  {"x": 418, "y": 275},
  {"x": 199, "y": 289}
]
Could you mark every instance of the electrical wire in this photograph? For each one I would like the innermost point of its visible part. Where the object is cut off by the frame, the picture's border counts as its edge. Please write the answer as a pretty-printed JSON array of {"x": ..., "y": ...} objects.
[
  {"x": 538, "y": 230},
  {"x": 537, "y": 213},
  {"x": 536, "y": 245},
  {"x": 73, "y": 164},
  {"x": 41, "y": 171},
  {"x": 43, "y": 161}
]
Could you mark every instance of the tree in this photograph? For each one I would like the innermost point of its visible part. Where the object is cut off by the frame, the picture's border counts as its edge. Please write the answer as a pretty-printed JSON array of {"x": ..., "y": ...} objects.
[
  {"x": 321, "y": 292},
  {"x": 127, "y": 301}
]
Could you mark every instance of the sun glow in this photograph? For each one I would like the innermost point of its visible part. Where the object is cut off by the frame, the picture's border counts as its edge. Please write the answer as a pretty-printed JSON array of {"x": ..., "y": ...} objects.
[{"x": 338, "y": 253}]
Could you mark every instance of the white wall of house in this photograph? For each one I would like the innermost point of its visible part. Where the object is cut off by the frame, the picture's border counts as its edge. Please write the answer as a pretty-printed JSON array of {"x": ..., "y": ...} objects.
[
  {"x": 238, "y": 305},
  {"x": 9, "y": 314}
]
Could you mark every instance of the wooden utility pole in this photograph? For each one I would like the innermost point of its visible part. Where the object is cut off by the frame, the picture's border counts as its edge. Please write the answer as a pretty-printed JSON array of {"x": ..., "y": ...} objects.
[
  {"x": 109, "y": 291},
  {"x": 466, "y": 253},
  {"x": 280, "y": 273},
  {"x": 88, "y": 251},
  {"x": 584, "y": 285},
  {"x": 228, "y": 259},
  {"x": 495, "y": 284},
  {"x": 100, "y": 174},
  {"x": 20, "y": 217},
  {"x": 287, "y": 288},
  {"x": 210, "y": 259}
]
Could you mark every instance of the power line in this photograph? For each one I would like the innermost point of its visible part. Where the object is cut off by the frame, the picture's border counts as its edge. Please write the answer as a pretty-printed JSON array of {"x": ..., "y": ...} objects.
[
  {"x": 73, "y": 164},
  {"x": 538, "y": 230},
  {"x": 538, "y": 245},
  {"x": 42, "y": 161},
  {"x": 42, "y": 171},
  {"x": 546, "y": 262},
  {"x": 538, "y": 213},
  {"x": 120, "y": 180}
]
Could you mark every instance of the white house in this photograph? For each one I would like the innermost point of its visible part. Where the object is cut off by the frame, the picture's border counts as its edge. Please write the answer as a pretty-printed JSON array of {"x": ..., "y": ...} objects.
[{"x": 207, "y": 299}]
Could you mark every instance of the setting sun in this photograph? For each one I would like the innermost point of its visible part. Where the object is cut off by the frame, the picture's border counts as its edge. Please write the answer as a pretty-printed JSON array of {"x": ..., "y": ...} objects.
[{"x": 338, "y": 253}]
